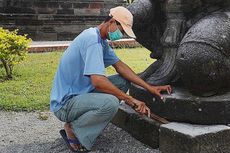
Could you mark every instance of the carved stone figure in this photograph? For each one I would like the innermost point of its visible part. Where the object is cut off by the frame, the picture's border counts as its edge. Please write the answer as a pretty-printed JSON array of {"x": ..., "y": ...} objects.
[{"x": 191, "y": 42}]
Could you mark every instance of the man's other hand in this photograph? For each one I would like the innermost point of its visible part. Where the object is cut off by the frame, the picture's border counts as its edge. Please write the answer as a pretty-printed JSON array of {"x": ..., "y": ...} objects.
[
  {"x": 140, "y": 107},
  {"x": 156, "y": 90}
]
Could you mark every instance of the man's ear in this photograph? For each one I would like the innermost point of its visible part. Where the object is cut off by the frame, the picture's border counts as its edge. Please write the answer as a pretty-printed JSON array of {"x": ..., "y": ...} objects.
[
  {"x": 108, "y": 23},
  {"x": 111, "y": 21}
]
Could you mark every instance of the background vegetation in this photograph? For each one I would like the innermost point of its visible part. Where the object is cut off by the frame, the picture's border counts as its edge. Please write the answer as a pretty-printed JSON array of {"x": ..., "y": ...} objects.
[{"x": 13, "y": 50}]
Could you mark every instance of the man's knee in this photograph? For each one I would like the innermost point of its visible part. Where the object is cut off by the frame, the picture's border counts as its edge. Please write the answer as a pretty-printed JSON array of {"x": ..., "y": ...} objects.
[
  {"x": 111, "y": 104},
  {"x": 120, "y": 82},
  {"x": 127, "y": 85}
]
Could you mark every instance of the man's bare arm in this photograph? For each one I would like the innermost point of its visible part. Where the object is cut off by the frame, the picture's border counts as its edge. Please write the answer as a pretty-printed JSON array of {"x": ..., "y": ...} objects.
[
  {"x": 101, "y": 83},
  {"x": 126, "y": 72}
]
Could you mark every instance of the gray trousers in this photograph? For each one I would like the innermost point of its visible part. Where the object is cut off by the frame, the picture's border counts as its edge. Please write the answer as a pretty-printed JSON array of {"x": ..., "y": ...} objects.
[{"x": 90, "y": 113}]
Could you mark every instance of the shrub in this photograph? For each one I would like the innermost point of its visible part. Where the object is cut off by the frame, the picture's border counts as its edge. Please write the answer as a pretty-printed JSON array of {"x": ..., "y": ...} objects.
[{"x": 13, "y": 49}]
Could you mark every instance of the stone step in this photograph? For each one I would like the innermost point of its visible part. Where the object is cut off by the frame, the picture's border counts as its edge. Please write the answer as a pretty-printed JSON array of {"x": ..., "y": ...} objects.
[
  {"x": 174, "y": 137},
  {"x": 140, "y": 127},
  {"x": 188, "y": 138},
  {"x": 182, "y": 106}
]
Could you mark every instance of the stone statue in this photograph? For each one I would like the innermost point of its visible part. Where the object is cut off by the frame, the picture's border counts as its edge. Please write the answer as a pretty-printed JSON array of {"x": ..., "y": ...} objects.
[{"x": 191, "y": 42}]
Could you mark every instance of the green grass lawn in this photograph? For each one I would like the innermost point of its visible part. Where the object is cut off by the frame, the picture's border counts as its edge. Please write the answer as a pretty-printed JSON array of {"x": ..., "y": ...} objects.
[{"x": 30, "y": 88}]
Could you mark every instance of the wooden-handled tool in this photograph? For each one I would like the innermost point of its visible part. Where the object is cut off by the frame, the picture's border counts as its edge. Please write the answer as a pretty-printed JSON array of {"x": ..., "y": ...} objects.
[
  {"x": 154, "y": 116},
  {"x": 158, "y": 118}
]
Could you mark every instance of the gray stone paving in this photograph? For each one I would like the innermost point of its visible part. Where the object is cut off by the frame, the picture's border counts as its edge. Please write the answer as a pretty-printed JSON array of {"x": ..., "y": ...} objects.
[{"x": 26, "y": 133}]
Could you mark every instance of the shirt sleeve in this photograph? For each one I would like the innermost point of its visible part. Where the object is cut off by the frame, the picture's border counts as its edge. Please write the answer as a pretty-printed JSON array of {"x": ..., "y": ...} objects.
[
  {"x": 110, "y": 57},
  {"x": 94, "y": 63}
]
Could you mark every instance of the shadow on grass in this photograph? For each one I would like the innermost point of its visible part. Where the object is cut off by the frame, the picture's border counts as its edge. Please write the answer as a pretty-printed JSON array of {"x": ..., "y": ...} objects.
[{"x": 4, "y": 78}]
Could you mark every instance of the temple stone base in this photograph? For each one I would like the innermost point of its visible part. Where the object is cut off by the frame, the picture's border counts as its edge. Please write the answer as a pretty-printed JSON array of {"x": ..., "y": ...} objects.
[
  {"x": 188, "y": 138},
  {"x": 174, "y": 137},
  {"x": 140, "y": 127},
  {"x": 182, "y": 106}
]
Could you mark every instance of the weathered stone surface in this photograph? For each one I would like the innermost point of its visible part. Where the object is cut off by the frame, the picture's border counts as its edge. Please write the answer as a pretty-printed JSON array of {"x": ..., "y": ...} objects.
[
  {"x": 187, "y": 138},
  {"x": 141, "y": 127},
  {"x": 35, "y": 15},
  {"x": 190, "y": 40},
  {"x": 182, "y": 106},
  {"x": 161, "y": 26},
  {"x": 203, "y": 56}
]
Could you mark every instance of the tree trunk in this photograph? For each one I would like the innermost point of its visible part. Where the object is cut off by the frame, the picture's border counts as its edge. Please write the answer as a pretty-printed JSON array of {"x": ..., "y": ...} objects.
[{"x": 7, "y": 69}]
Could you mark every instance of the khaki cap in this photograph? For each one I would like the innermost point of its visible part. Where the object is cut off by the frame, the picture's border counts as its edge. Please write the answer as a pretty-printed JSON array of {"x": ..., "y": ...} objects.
[{"x": 125, "y": 18}]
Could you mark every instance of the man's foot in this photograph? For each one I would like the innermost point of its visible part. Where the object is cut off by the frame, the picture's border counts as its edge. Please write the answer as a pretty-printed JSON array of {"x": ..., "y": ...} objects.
[{"x": 72, "y": 137}]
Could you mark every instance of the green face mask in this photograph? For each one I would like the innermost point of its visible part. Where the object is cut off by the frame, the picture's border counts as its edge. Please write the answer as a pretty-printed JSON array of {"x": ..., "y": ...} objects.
[{"x": 115, "y": 35}]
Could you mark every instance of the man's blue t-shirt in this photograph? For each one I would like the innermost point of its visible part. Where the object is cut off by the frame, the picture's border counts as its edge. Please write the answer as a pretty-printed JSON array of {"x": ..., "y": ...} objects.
[{"x": 87, "y": 54}]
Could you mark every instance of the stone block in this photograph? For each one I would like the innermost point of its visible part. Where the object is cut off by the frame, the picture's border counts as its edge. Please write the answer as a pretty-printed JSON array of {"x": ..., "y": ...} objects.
[
  {"x": 25, "y": 21},
  {"x": 27, "y": 4},
  {"x": 65, "y": 11},
  {"x": 182, "y": 106},
  {"x": 81, "y": 5},
  {"x": 66, "y": 35},
  {"x": 17, "y": 10},
  {"x": 45, "y": 36},
  {"x": 69, "y": 28},
  {"x": 188, "y": 138},
  {"x": 140, "y": 127},
  {"x": 46, "y": 10},
  {"x": 48, "y": 29},
  {"x": 87, "y": 12},
  {"x": 40, "y": 4},
  {"x": 96, "y": 5},
  {"x": 66, "y": 5},
  {"x": 45, "y": 17},
  {"x": 53, "y": 5}
]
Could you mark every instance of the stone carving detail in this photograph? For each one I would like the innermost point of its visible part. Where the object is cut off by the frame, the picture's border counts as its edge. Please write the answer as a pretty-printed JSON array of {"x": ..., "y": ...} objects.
[{"x": 191, "y": 42}]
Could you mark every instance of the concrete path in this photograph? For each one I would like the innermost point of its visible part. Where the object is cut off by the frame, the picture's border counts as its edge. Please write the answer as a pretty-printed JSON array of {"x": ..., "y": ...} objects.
[
  {"x": 51, "y": 46},
  {"x": 32, "y": 133},
  {"x": 49, "y": 43}
]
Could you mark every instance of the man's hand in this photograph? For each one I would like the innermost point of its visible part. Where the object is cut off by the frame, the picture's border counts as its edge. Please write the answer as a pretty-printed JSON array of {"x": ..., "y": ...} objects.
[
  {"x": 156, "y": 90},
  {"x": 126, "y": 72},
  {"x": 140, "y": 107}
]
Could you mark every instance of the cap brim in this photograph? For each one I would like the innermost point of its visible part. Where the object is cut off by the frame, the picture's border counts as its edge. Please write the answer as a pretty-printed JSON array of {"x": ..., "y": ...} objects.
[{"x": 128, "y": 30}]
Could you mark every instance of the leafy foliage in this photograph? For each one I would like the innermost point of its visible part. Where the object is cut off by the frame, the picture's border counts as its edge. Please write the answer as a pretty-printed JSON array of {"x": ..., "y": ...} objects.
[{"x": 13, "y": 50}]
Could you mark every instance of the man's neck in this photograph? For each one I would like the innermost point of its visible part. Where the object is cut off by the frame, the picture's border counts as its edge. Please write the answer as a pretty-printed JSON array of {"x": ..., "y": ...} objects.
[{"x": 102, "y": 30}]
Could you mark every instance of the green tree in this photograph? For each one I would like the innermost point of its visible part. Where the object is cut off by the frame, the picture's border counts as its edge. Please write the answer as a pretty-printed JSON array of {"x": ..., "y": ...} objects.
[{"x": 13, "y": 49}]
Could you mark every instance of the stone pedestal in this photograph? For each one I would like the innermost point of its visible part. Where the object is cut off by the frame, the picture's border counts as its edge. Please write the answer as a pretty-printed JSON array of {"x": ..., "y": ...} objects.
[
  {"x": 182, "y": 106},
  {"x": 187, "y": 138},
  {"x": 140, "y": 127},
  {"x": 174, "y": 137}
]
